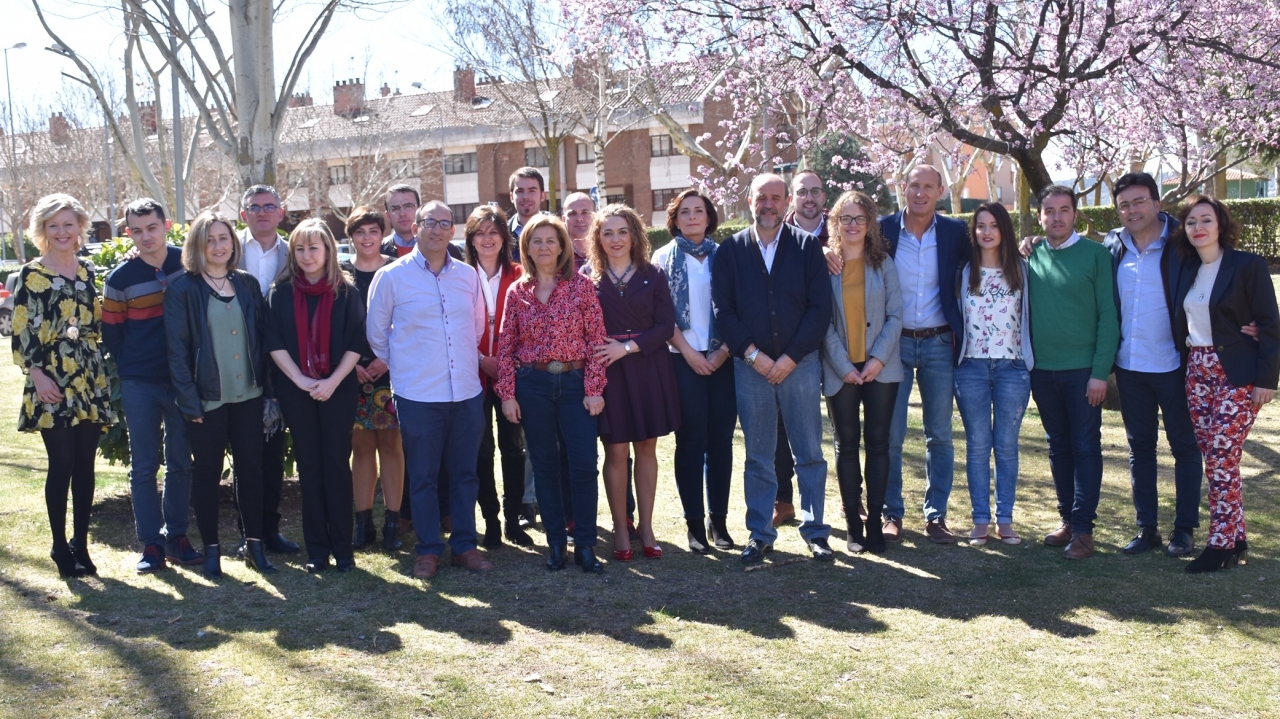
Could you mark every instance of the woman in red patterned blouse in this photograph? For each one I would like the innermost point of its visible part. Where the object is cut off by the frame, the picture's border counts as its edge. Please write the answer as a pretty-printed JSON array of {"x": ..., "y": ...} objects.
[{"x": 547, "y": 374}]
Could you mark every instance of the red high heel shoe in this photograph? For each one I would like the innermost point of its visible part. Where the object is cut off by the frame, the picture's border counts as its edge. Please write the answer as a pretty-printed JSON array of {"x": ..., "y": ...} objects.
[
  {"x": 654, "y": 552},
  {"x": 624, "y": 555}
]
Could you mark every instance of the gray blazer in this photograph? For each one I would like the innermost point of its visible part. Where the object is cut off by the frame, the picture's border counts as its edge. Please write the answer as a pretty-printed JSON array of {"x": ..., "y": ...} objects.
[
  {"x": 884, "y": 329},
  {"x": 962, "y": 340}
]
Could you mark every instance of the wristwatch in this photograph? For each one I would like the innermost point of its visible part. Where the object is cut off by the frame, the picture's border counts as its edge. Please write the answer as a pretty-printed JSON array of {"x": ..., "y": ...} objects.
[{"x": 751, "y": 358}]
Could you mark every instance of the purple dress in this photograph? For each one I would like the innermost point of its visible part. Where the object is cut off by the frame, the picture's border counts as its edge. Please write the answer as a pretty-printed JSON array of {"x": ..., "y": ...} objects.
[{"x": 641, "y": 400}]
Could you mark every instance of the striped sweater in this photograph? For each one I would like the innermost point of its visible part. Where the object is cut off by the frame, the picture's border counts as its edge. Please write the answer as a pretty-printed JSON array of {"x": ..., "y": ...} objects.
[{"x": 133, "y": 317}]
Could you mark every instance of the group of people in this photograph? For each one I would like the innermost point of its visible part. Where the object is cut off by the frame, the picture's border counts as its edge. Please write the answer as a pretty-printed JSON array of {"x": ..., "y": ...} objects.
[{"x": 565, "y": 334}]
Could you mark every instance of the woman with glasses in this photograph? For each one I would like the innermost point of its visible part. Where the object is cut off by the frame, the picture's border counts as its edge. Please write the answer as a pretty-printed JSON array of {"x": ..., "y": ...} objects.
[{"x": 861, "y": 365}]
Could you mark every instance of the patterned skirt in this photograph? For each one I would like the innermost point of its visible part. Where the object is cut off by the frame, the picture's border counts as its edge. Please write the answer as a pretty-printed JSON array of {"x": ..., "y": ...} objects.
[{"x": 375, "y": 409}]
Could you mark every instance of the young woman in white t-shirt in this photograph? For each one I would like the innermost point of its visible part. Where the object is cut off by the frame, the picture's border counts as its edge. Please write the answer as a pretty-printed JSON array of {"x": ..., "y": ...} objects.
[{"x": 993, "y": 365}]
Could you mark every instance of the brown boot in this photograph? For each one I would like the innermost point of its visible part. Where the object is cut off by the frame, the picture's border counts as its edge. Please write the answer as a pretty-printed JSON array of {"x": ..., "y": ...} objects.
[
  {"x": 1081, "y": 547},
  {"x": 1059, "y": 537},
  {"x": 783, "y": 512},
  {"x": 892, "y": 530}
]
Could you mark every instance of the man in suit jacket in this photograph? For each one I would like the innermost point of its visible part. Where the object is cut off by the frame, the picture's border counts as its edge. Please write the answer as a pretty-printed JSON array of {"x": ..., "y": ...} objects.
[
  {"x": 772, "y": 303},
  {"x": 265, "y": 254},
  {"x": 928, "y": 249}
]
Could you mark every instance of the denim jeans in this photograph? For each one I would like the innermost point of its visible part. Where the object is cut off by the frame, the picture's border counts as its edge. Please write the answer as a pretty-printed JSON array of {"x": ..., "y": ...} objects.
[
  {"x": 551, "y": 411},
  {"x": 1074, "y": 430},
  {"x": 928, "y": 361},
  {"x": 992, "y": 395},
  {"x": 1144, "y": 398},
  {"x": 799, "y": 398},
  {"x": 153, "y": 415},
  {"x": 436, "y": 436},
  {"x": 704, "y": 442}
]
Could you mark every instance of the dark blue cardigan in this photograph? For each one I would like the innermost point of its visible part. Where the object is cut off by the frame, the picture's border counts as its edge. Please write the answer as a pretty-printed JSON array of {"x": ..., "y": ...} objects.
[
  {"x": 953, "y": 252},
  {"x": 783, "y": 311}
]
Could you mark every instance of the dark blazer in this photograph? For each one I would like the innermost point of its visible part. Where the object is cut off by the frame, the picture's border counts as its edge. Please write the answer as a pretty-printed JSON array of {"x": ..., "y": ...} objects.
[
  {"x": 193, "y": 370},
  {"x": 1170, "y": 266},
  {"x": 1242, "y": 293},
  {"x": 783, "y": 311},
  {"x": 346, "y": 327},
  {"x": 953, "y": 251}
]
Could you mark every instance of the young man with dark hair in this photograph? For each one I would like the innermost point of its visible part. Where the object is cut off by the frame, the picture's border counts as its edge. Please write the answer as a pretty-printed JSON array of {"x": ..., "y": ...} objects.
[
  {"x": 133, "y": 331},
  {"x": 528, "y": 192},
  {"x": 1074, "y": 335}
]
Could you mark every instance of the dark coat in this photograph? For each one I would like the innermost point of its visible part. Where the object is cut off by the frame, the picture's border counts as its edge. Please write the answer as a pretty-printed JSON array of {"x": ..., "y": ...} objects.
[
  {"x": 1242, "y": 293},
  {"x": 346, "y": 327},
  {"x": 1170, "y": 266},
  {"x": 953, "y": 252},
  {"x": 193, "y": 370}
]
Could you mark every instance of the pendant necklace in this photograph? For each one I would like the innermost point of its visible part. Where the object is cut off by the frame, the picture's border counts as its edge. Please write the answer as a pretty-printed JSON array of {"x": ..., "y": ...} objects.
[
  {"x": 621, "y": 284},
  {"x": 219, "y": 284}
]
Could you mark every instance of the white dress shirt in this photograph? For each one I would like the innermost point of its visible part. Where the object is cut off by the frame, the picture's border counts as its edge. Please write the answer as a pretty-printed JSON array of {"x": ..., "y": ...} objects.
[
  {"x": 768, "y": 251},
  {"x": 264, "y": 265},
  {"x": 1146, "y": 335}
]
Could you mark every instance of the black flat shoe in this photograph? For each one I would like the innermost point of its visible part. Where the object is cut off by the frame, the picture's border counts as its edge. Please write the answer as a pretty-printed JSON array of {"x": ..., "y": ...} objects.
[
  {"x": 492, "y": 535},
  {"x": 718, "y": 532},
  {"x": 390, "y": 530},
  {"x": 1181, "y": 543},
  {"x": 821, "y": 550},
  {"x": 1210, "y": 560},
  {"x": 875, "y": 536},
  {"x": 280, "y": 544},
  {"x": 585, "y": 557},
  {"x": 66, "y": 561},
  {"x": 1148, "y": 539},
  {"x": 697, "y": 536},
  {"x": 211, "y": 567},
  {"x": 754, "y": 552},
  {"x": 80, "y": 550},
  {"x": 518, "y": 536},
  {"x": 316, "y": 567},
  {"x": 345, "y": 565},
  {"x": 256, "y": 558},
  {"x": 556, "y": 558}
]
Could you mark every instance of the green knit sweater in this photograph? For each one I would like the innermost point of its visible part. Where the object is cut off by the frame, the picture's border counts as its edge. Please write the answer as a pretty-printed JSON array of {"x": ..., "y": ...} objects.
[{"x": 1073, "y": 308}]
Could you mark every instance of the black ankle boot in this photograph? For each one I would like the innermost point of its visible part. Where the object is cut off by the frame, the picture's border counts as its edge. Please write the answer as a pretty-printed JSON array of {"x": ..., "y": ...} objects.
[
  {"x": 585, "y": 557},
  {"x": 390, "y": 528},
  {"x": 1210, "y": 560},
  {"x": 212, "y": 566},
  {"x": 492, "y": 538},
  {"x": 555, "y": 560},
  {"x": 1239, "y": 554},
  {"x": 875, "y": 535},
  {"x": 66, "y": 561},
  {"x": 697, "y": 536},
  {"x": 256, "y": 558},
  {"x": 80, "y": 550},
  {"x": 719, "y": 533},
  {"x": 365, "y": 534},
  {"x": 517, "y": 536}
]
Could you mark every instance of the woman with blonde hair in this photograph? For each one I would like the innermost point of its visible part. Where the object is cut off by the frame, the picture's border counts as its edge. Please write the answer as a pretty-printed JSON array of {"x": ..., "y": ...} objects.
[
  {"x": 57, "y": 328},
  {"x": 315, "y": 334},
  {"x": 213, "y": 319},
  {"x": 641, "y": 402}
]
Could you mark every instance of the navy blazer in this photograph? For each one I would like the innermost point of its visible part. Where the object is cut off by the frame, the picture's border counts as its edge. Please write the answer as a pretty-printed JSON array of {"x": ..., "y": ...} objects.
[
  {"x": 785, "y": 310},
  {"x": 953, "y": 252},
  {"x": 1242, "y": 293}
]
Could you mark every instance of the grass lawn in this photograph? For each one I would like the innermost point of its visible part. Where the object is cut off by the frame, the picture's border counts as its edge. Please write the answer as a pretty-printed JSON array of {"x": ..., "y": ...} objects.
[{"x": 923, "y": 630}]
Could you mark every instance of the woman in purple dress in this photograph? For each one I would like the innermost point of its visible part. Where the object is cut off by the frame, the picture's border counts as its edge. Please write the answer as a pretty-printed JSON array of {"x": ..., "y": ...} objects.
[{"x": 641, "y": 403}]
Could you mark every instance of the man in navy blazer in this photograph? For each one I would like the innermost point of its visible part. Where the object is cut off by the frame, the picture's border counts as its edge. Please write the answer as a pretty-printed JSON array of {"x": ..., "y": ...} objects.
[
  {"x": 928, "y": 249},
  {"x": 772, "y": 302}
]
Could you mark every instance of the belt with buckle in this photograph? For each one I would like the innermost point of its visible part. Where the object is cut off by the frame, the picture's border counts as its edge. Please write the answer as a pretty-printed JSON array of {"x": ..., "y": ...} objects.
[
  {"x": 926, "y": 333},
  {"x": 555, "y": 367}
]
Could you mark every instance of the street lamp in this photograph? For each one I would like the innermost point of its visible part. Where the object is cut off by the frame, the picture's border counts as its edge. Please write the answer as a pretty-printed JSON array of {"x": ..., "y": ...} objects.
[{"x": 13, "y": 155}]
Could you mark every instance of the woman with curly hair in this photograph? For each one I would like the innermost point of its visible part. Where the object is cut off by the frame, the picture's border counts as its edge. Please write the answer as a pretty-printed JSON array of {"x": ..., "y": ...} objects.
[{"x": 57, "y": 330}]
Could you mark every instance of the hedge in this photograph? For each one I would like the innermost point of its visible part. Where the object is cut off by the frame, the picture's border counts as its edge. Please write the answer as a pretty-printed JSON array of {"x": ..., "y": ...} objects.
[{"x": 659, "y": 236}]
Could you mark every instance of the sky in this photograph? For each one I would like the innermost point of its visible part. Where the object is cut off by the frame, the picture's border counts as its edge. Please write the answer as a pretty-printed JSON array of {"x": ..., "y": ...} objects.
[{"x": 386, "y": 46}]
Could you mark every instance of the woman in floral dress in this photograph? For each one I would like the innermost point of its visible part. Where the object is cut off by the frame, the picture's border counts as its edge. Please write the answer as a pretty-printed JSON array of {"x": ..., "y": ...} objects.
[{"x": 57, "y": 322}]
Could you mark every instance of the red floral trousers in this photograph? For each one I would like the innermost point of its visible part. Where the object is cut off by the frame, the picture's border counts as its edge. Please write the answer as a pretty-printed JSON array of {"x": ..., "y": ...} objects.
[{"x": 1222, "y": 415}]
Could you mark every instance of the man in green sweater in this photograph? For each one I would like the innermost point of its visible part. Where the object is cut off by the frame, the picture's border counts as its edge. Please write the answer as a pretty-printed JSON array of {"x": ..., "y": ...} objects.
[{"x": 1075, "y": 333}]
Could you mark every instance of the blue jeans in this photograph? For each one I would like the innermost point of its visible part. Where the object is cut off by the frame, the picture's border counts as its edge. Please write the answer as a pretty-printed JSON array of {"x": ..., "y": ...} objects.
[
  {"x": 442, "y": 436},
  {"x": 153, "y": 414},
  {"x": 799, "y": 399},
  {"x": 1074, "y": 430},
  {"x": 928, "y": 361},
  {"x": 1144, "y": 398},
  {"x": 551, "y": 411},
  {"x": 992, "y": 395}
]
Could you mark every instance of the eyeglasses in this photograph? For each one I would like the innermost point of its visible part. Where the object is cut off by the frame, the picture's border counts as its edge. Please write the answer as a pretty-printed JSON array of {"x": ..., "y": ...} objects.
[
  {"x": 1136, "y": 204},
  {"x": 861, "y": 220},
  {"x": 260, "y": 209},
  {"x": 813, "y": 192},
  {"x": 397, "y": 208},
  {"x": 431, "y": 224}
]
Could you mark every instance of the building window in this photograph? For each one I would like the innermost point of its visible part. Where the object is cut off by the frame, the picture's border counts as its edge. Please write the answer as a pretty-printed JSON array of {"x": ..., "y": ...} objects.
[
  {"x": 662, "y": 198},
  {"x": 404, "y": 168},
  {"x": 460, "y": 164},
  {"x": 661, "y": 146},
  {"x": 586, "y": 153},
  {"x": 338, "y": 174},
  {"x": 463, "y": 211},
  {"x": 535, "y": 157},
  {"x": 615, "y": 199},
  {"x": 297, "y": 177}
]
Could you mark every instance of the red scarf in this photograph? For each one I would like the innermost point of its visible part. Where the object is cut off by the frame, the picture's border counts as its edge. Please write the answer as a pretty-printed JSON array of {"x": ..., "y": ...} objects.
[{"x": 313, "y": 337}]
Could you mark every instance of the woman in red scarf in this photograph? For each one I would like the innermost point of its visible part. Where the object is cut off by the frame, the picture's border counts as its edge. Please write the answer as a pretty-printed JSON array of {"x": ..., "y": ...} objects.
[{"x": 315, "y": 334}]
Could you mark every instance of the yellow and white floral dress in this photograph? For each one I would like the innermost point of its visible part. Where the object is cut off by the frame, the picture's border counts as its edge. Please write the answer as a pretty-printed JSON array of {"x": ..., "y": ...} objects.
[{"x": 57, "y": 326}]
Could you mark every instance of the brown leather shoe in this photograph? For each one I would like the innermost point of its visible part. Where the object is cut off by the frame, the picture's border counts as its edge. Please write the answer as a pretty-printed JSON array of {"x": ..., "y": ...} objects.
[
  {"x": 892, "y": 530},
  {"x": 783, "y": 512},
  {"x": 938, "y": 532},
  {"x": 426, "y": 566},
  {"x": 472, "y": 560},
  {"x": 1059, "y": 537},
  {"x": 1081, "y": 547}
]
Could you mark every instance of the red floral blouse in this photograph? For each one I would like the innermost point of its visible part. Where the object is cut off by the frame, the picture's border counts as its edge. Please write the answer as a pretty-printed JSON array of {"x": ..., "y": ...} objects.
[{"x": 566, "y": 328}]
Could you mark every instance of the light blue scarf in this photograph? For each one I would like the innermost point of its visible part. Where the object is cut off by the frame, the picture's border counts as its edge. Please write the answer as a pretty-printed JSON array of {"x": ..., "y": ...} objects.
[{"x": 679, "y": 281}]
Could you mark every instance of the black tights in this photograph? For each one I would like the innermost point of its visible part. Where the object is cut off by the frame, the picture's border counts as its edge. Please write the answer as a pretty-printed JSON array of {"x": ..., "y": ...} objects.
[{"x": 71, "y": 451}]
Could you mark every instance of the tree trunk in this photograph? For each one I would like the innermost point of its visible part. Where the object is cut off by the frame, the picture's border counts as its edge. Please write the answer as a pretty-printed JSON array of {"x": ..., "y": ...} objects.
[
  {"x": 1024, "y": 205},
  {"x": 598, "y": 147},
  {"x": 553, "y": 145},
  {"x": 251, "y": 41}
]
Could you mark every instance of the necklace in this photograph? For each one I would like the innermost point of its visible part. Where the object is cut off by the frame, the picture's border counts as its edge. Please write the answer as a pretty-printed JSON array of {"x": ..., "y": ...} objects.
[
  {"x": 219, "y": 284},
  {"x": 620, "y": 281}
]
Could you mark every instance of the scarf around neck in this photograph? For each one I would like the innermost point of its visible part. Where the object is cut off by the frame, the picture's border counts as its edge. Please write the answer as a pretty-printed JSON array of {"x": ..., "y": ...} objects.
[
  {"x": 313, "y": 332},
  {"x": 679, "y": 280}
]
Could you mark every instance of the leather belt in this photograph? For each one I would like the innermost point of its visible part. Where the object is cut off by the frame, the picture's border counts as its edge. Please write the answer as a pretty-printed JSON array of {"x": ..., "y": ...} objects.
[
  {"x": 625, "y": 337},
  {"x": 555, "y": 367},
  {"x": 926, "y": 333}
]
